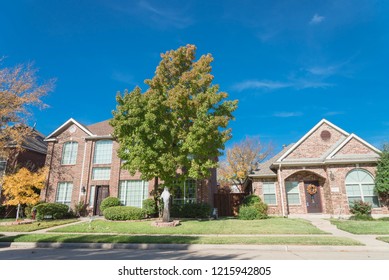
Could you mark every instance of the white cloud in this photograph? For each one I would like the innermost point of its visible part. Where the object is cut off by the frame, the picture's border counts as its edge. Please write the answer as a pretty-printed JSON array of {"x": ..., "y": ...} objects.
[
  {"x": 256, "y": 84},
  {"x": 316, "y": 19},
  {"x": 333, "y": 113},
  {"x": 274, "y": 85},
  {"x": 123, "y": 78},
  {"x": 287, "y": 114},
  {"x": 167, "y": 17}
]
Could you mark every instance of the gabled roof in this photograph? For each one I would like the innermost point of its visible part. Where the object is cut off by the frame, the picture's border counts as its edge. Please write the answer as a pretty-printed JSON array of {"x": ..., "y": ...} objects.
[
  {"x": 66, "y": 125},
  {"x": 267, "y": 169},
  {"x": 264, "y": 169},
  {"x": 34, "y": 141},
  {"x": 309, "y": 133},
  {"x": 101, "y": 128}
]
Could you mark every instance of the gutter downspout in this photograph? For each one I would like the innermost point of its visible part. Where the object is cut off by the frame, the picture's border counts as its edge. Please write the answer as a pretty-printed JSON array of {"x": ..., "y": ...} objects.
[
  {"x": 281, "y": 190},
  {"x": 82, "y": 171}
]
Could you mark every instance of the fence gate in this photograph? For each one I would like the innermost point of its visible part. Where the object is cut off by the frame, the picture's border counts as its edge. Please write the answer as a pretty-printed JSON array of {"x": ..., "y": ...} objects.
[{"x": 228, "y": 203}]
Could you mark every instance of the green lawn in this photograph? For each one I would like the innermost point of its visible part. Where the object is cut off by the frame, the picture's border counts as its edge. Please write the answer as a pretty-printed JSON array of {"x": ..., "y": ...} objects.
[
  {"x": 261, "y": 240},
  {"x": 382, "y": 238},
  {"x": 35, "y": 225},
  {"x": 222, "y": 226},
  {"x": 363, "y": 227}
]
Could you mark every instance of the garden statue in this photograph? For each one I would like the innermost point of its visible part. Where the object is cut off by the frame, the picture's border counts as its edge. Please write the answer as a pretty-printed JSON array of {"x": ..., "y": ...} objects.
[{"x": 166, "y": 199}]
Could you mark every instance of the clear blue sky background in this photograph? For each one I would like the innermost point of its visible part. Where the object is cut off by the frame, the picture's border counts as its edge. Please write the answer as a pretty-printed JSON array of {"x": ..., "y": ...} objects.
[{"x": 290, "y": 63}]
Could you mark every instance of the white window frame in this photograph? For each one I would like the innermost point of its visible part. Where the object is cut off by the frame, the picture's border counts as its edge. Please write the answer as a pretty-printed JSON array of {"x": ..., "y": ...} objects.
[
  {"x": 185, "y": 187},
  {"x": 124, "y": 192},
  {"x": 67, "y": 198},
  {"x": 99, "y": 176},
  {"x": 361, "y": 195},
  {"x": 296, "y": 191},
  {"x": 273, "y": 185},
  {"x": 72, "y": 159},
  {"x": 92, "y": 196},
  {"x": 103, "y": 152}
]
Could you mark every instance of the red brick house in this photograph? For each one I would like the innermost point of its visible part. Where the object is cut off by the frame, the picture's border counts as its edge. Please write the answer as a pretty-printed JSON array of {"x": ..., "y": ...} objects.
[
  {"x": 84, "y": 166},
  {"x": 31, "y": 154},
  {"x": 324, "y": 172}
]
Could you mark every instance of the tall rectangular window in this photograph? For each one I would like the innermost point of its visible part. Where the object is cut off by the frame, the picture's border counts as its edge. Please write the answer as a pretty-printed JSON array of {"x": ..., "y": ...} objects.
[
  {"x": 64, "y": 193},
  {"x": 184, "y": 192},
  {"x": 269, "y": 193},
  {"x": 133, "y": 192},
  {"x": 92, "y": 196},
  {"x": 101, "y": 173},
  {"x": 103, "y": 152},
  {"x": 292, "y": 193},
  {"x": 69, "y": 153}
]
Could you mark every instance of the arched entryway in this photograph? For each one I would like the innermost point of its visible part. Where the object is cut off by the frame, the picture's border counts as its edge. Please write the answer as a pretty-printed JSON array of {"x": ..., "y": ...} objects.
[{"x": 304, "y": 192}]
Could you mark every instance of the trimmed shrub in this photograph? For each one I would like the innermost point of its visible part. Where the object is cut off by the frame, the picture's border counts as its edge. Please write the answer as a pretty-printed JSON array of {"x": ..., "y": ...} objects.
[
  {"x": 361, "y": 210},
  {"x": 150, "y": 207},
  {"x": 52, "y": 211},
  {"x": 250, "y": 200},
  {"x": 254, "y": 211},
  {"x": 123, "y": 213},
  {"x": 191, "y": 210},
  {"x": 248, "y": 213},
  {"x": 109, "y": 202}
]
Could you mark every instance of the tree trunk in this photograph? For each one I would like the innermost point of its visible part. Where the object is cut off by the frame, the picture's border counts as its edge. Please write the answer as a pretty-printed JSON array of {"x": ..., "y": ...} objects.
[{"x": 17, "y": 212}]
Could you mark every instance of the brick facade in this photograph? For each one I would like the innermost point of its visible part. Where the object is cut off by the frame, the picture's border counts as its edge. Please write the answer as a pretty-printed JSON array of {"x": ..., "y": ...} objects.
[
  {"x": 80, "y": 173},
  {"x": 325, "y": 160}
]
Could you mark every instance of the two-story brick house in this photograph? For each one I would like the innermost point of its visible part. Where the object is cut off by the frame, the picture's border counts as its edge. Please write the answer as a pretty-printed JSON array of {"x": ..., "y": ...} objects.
[
  {"x": 324, "y": 172},
  {"x": 84, "y": 166}
]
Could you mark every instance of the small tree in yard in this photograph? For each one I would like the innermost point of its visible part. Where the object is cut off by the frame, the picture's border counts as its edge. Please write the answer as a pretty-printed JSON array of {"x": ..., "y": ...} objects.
[
  {"x": 23, "y": 187},
  {"x": 177, "y": 127},
  {"x": 382, "y": 174},
  {"x": 242, "y": 159}
]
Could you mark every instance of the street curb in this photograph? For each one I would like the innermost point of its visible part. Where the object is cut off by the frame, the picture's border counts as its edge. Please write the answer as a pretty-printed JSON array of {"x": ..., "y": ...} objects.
[{"x": 108, "y": 246}]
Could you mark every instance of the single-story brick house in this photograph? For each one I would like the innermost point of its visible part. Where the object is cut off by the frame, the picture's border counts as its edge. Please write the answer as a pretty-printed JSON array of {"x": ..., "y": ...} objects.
[
  {"x": 323, "y": 172},
  {"x": 84, "y": 167}
]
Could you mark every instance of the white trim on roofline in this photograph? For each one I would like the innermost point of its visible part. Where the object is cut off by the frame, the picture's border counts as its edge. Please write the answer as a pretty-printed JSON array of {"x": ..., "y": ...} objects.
[
  {"x": 71, "y": 120},
  {"x": 308, "y": 134},
  {"x": 348, "y": 139}
]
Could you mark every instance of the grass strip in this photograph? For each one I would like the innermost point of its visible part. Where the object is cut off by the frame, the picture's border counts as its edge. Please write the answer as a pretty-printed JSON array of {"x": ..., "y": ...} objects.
[
  {"x": 222, "y": 226},
  {"x": 35, "y": 225},
  {"x": 362, "y": 227},
  {"x": 262, "y": 240},
  {"x": 384, "y": 238}
]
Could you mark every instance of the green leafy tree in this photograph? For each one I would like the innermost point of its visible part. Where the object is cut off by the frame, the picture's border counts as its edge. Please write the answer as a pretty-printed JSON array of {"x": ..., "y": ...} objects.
[
  {"x": 176, "y": 129},
  {"x": 382, "y": 174}
]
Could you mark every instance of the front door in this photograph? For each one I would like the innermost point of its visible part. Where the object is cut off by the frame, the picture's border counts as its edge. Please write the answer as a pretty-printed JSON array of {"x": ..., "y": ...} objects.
[
  {"x": 312, "y": 196},
  {"x": 101, "y": 193}
]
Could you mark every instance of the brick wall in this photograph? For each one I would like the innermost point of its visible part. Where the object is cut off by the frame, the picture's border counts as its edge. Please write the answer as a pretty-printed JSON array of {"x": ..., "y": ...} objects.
[{"x": 314, "y": 146}]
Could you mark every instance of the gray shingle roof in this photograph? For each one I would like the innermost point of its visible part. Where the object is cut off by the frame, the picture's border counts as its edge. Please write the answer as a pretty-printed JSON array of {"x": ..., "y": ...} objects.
[{"x": 264, "y": 169}]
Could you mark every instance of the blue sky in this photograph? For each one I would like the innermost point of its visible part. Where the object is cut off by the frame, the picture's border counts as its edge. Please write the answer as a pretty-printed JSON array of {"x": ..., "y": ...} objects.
[{"x": 289, "y": 63}]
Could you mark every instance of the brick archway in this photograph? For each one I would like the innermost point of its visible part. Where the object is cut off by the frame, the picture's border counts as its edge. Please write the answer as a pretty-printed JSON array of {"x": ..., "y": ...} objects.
[{"x": 309, "y": 202}]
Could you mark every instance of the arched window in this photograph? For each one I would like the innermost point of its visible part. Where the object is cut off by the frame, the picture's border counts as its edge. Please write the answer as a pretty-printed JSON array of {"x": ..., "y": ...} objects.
[
  {"x": 360, "y": 186},
  {"x": 69, "y": 153}
]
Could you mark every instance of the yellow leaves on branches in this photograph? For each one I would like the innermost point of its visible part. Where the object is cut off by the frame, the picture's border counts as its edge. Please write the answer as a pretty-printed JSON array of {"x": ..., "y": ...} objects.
[{"x": 23, "y": 187}]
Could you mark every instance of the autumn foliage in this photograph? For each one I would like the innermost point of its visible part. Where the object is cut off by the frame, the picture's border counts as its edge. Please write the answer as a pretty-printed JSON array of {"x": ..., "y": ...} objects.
[
  {"x": 23, "y": 187},
  {"x": 19, "y": 91}
]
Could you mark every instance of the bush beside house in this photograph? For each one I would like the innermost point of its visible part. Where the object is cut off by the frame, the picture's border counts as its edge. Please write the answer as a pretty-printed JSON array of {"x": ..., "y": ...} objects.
[
  {"x": 52, "y": 211},
  {"x": 124, "y": 213},
  {"x": 252, "y": 208}
]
